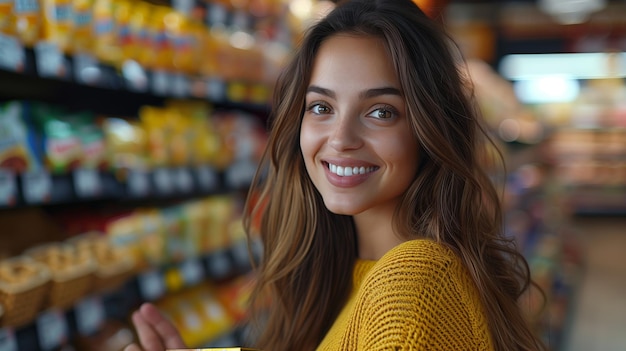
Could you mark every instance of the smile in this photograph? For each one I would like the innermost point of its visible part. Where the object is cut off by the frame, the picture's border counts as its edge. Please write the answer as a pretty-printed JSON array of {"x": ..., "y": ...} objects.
[{"x": 349, "y": 171}]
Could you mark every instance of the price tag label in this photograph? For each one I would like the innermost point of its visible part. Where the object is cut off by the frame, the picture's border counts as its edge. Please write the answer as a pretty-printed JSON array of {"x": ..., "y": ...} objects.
[
  {"x": 216, "y": 89},
  {"x": 207, "y": 178},
  {"x": 86, "y": 69},
  {"x": 12, "y": 55},
  {"x": 241, "y": 254},
  {"x": 36, "y": 187},
  {"x": 151, "y": 285},
  {"x": 192, "y": 272},
  {"x": 184, "y": 182},
  {"x": 163, "y": 180},
  {"x": 87, "y": 183},
  {"x": 8, "y": 342},
  {"x": 180, "y": 86},
  {"x": 90, "y": 315},
  {"x": 50, "y": 60},
  {"x": 160, "y": 83},
  {"x": 219, "y": 265},
  {"x": 8, "y": 188},
  {"x": 240, "y": 174},
  {"x": 51, "y": 329},
  {"x": 138, "y": 183},
  {"x": 135, "y": 76}
]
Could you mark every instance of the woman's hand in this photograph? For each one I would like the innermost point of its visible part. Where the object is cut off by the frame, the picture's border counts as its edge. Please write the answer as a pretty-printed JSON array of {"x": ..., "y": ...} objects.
[{"x": 155, "y": 332}]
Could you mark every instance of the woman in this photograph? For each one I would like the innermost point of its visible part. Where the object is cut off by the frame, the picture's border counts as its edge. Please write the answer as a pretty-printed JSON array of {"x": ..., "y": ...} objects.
[{"x": 380, "y": 229}]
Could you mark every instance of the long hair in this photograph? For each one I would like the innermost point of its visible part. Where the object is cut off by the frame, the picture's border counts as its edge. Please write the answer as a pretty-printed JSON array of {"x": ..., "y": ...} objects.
[{"x": 306, "y": 268}]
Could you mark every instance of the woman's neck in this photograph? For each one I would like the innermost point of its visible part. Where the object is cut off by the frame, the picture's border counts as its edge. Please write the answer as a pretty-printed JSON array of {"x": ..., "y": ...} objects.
[{"x": 375, "y": 233}]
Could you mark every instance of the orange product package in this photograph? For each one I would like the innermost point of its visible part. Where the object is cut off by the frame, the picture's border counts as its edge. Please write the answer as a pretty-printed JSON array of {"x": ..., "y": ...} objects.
[
  {"x": 139, "y": 48},
  {"x": 125, "y": 41},
  {"x": 104, "y": 33},
  {"x": 7, "y": 22},
  {"x": 27, "y": 19},
  {"x": 158, "y": 132},
  {"x": 160, "y": 44},
  {"x": 57, "y": 23},
  {"x": 82, "y": 26}
]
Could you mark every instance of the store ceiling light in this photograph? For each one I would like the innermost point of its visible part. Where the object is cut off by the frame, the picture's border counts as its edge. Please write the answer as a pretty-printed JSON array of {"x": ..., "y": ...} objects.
[{"x": 574, "y": 65}]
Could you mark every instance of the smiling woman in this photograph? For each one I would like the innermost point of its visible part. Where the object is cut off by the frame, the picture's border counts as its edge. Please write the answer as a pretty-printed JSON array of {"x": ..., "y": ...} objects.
[{"x": 380, "y": 229}]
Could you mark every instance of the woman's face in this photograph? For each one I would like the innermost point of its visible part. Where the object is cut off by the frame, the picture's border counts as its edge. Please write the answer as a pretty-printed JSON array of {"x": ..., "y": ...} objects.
[{"x": 356, "y": 141}]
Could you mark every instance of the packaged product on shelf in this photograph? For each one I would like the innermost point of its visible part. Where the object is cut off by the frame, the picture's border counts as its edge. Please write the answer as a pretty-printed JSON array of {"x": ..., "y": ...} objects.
[
  {"x": 122, "y": 13},
  {"x": 91, "y": 137},
  {"x": 159, "y": 133},
  {"x": 57, "y": 23},
  {"x": 197, "y": 227},
  {"x": 198, "y": 314},
  {"x": 124, "y": 231},
  {"x": 71, "y": 273},
  {"x": 221, "y": 210},
  {"x": 104, "y": 32},
  {"x": 161, "y": 44},
  {"x": 234, "y": 296},
  {"x": 152, "y": 237},
  {"x": 126, "y": 143},
  {"x": 7, "y": 22},
  {"x": 27, "y": 20},
  {"x": 137, "y": 32},
  {"x": 60, "y": 141},
  {"x": 175, "y": 222},
  {"x": 23, "y": 288},
  {"x": 82, "y": 27},
  {"x": 204, "y": 140},
  {"x": 181, "y": 138},
  {"x": 179, "y": 30},
  {"x": 142, "y": 25},
  {"x": 16, "y": 147}
]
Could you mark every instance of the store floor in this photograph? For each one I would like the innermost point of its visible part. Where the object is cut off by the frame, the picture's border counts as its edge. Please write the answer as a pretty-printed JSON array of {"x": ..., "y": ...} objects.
[{"x": 598, "y": 318}]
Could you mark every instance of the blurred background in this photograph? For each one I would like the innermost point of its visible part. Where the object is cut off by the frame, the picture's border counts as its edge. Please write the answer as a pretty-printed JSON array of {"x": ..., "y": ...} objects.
[{"x": 130, "y": 131}]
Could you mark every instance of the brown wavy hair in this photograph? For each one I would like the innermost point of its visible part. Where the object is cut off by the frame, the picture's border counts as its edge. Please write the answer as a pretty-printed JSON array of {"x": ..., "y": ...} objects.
[{"x": 308, "y": 252}]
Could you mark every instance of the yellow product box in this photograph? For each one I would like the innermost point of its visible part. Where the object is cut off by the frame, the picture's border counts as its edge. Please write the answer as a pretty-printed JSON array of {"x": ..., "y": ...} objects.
[{"x": 58, "y": 22}]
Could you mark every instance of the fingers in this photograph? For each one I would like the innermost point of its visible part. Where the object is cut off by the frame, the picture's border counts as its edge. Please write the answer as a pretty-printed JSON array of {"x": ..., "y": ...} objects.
[
  {"x": 156, "y": 333},
  {"x": 132, "y": 347}
]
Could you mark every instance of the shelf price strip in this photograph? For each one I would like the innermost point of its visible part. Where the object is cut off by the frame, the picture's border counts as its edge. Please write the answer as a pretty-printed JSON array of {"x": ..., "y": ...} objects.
[{"x": 8, "y": 342}]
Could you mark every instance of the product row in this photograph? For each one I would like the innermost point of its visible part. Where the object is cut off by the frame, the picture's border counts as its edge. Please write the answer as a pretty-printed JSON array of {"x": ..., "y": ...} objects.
[
  {"x": 196, "y": 38},
  {"x": 207, "y": 314},
  {"x": 165, "y": 248},
  {"x": 165, "y": 150}
]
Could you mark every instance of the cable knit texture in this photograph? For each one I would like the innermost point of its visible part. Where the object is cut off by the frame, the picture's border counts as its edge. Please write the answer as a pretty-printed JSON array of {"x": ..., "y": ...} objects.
[{"x": 418, "y": 296}]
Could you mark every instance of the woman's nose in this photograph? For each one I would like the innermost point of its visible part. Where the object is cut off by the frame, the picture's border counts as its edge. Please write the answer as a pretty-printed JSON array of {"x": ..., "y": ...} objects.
[{"x": 345, "y": 134}]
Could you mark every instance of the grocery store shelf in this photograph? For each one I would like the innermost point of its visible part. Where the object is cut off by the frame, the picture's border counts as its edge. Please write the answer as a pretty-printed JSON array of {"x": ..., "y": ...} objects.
[{"x": 83, "y": 185}]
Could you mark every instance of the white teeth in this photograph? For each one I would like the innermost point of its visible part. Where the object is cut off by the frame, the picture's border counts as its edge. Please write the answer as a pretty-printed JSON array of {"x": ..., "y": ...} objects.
[{"x": 349, "y": 171}]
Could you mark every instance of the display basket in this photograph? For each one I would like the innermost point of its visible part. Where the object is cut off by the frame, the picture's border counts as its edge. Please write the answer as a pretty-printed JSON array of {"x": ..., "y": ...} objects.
[
  {"x": 71, "y": 273},
  {"x": 114, "y": 266},
  {"x": 24, "y": 284}
]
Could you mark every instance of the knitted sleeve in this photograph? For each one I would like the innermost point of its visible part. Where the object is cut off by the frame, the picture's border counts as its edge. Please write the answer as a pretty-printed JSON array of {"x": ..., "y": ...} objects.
[{"x": 420, "y": 298}]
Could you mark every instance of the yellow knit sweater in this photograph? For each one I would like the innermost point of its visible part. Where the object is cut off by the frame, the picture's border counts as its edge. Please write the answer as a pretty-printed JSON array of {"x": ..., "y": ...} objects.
[{"x": 418, "y": 296}]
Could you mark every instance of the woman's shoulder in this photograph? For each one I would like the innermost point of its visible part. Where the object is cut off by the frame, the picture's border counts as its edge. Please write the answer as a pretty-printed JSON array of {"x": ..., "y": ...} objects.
[{"x": 417, "y": 262}]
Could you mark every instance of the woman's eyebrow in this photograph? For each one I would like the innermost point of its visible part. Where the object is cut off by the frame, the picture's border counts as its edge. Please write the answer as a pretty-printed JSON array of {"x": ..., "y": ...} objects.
[
  {"x": 320, "y": 90},
  {"x": 370, "y": 93}
]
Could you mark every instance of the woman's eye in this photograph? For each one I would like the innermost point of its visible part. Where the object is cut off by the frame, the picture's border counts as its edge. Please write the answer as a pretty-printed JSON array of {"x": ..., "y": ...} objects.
[
  {"x": 319, "y": 109},
  {"x": 383, "y": 113}
]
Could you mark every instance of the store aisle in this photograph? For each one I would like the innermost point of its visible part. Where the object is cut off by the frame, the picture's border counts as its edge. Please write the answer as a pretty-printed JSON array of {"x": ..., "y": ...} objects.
[{"x": 599, "y": 311}]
